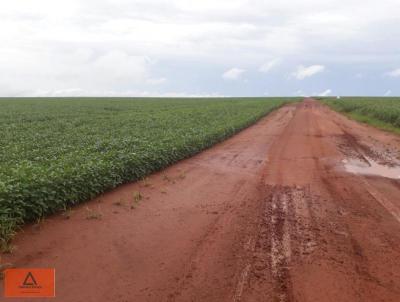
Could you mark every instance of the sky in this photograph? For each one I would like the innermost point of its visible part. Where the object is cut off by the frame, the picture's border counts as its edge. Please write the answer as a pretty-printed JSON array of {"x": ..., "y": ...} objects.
[{"x": 199, "y": 48}]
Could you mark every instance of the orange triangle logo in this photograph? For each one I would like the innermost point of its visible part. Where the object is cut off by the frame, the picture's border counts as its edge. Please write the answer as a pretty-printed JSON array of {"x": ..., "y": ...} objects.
[{"x": 29, "y": 280}]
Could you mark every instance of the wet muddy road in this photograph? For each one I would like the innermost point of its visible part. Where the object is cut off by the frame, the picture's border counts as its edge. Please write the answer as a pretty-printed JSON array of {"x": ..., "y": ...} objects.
[{"x": 302, "y": 206}]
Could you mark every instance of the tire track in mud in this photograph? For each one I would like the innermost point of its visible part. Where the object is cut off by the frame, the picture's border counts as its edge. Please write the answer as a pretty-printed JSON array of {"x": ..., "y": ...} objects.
[
  {"x": 280, "y": 243},
  {"x": 350, "y": 249},
  {"x": 286, "y": 234},
  {"x": 243, "y": 279}
]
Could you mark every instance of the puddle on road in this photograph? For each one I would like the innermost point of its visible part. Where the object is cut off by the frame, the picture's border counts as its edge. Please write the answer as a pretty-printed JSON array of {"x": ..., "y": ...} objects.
[{"x": 371, "y": 168}]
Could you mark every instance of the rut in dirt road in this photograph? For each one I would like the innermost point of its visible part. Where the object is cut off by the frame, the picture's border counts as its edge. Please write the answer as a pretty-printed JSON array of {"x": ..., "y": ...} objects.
[
  {"x": 325, "y": 236},
  {"x": 268, "y": 215}
]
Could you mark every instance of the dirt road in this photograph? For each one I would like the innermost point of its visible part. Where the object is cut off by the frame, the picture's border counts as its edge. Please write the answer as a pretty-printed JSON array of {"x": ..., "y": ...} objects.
[{"x": 275, "y": 213}]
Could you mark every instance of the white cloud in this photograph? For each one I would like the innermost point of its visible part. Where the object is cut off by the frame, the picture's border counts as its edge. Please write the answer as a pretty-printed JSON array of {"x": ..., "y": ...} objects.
[
  {"x": 156, "y": 81},
  {"x": 304, "y": 72},
  {"x": 57, "y": 92},
  {"x": 120, "y": 45},
  {"x": 74, "y": 71},
  {"x": 388, "y": 92},
  {"x": 325, "y": 92},
  {"x": 119, "y": 66},
  {"x": 233, "y": 74},
  {"x": 75, "y": 92},
  {"x": 394, "y": 73},
  {"x": 266, "y": 67},
  {"x": 300, "y": 93}
]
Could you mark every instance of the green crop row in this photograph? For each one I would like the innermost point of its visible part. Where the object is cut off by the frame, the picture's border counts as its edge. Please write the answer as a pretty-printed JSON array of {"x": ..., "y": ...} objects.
[
  {"x": 382, "y": 112},
  {"x": 58, "y": 152}
]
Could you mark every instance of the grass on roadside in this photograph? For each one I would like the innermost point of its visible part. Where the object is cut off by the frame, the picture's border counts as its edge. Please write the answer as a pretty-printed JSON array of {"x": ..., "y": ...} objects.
[{"x": 380, "y": 112}]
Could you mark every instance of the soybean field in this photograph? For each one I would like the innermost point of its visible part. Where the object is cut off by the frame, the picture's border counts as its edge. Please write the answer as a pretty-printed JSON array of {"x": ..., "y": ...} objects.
[
  {"x": 57, "y": 152},
  {"x": 383, "y": 112}
]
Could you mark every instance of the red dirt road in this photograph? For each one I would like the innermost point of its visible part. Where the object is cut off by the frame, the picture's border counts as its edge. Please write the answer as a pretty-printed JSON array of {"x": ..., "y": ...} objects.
[{"x": 268, "y": 215}]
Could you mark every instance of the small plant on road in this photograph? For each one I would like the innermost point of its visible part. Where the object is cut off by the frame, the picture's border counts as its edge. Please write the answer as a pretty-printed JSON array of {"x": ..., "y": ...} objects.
[{"x": 93, "y": 214}]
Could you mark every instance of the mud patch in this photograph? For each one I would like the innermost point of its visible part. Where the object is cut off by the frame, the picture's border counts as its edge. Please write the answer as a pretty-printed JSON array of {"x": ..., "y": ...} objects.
[
  {"x": 367, "y": 160},
  {"x": 368, "y": 166},
  {"x": 352, "y": 147},
  {"x": 286, "y": 236}
]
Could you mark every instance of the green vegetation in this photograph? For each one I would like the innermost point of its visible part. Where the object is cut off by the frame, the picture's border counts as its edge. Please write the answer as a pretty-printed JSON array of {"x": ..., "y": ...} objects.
[
  {"x": 379, "y": 112},
  {"x": 58, "y": 152}
]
